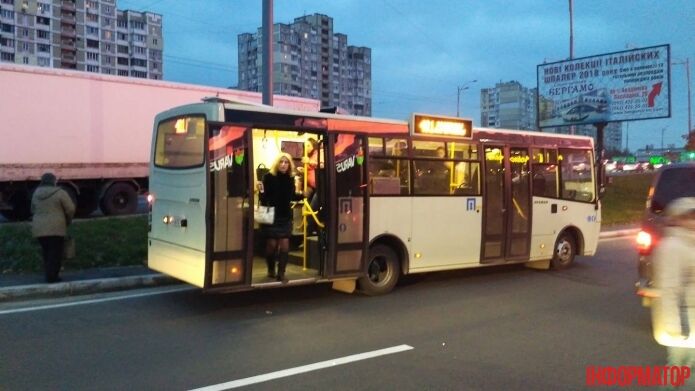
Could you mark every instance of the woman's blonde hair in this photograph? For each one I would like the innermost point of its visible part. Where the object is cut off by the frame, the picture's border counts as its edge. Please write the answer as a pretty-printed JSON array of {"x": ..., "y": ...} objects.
[{"x": 276, "y": 163}]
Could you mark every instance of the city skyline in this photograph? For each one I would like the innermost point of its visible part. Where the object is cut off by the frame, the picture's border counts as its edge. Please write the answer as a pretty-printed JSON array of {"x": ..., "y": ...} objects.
[{"x": 423, "y": 52}]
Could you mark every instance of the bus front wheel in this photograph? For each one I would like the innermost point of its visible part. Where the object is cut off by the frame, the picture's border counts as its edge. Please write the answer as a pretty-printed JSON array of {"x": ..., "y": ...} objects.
[
  {"x": 564, "y": 252},
  {"x": 383, "y": 270}
]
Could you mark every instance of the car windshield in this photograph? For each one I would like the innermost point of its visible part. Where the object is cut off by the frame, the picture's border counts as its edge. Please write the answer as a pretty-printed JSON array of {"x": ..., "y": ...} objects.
[{"x": 673, "y": 183}]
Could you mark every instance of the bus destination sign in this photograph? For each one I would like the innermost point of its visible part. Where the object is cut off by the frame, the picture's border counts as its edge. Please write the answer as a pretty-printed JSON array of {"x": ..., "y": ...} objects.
[{"x": 441, "y": 126}]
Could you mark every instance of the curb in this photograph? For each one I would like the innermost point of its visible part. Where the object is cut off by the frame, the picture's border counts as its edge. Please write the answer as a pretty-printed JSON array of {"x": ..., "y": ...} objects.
[
  {"x": 618, "y": 233},
  {"x": 70, "y": 288}
]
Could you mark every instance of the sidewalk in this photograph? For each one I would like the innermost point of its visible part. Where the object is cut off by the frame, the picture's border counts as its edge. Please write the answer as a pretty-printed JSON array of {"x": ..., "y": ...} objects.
[{"x": 31, "y": 286}]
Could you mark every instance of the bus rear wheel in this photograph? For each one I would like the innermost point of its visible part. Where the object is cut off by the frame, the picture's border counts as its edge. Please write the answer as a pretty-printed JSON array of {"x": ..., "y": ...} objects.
[
  {"x": 383, "y": 270},
  {"x": 564, "y": 252}
]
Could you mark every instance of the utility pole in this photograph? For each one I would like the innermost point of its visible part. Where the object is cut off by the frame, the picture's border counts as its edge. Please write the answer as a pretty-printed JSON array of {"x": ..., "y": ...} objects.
[
  {"x": 572, "y": 130},
  {"x": 267, "y": 63}
]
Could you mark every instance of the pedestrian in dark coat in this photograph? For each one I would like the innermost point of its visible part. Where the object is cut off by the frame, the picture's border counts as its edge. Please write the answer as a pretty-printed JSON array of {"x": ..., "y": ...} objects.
[
  {"x": 53, "y": 211},
  {"x": 279, "y": 190}
]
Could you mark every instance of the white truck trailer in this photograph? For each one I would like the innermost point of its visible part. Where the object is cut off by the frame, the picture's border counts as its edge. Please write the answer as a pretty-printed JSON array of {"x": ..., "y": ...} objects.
[{"x": 92, "y": 131}]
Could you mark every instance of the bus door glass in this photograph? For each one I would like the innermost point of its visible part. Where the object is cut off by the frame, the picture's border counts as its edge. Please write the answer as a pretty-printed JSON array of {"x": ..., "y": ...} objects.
[
  {"x": 519, "y": 225},
  {"x": 348, "y": 206},
  {"x": 229, "y": 189},
  {"x": 507, "y": 204}
]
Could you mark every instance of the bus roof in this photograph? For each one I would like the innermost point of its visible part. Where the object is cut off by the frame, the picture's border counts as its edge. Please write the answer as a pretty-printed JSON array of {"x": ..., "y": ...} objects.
[{"x": 287, "y": 118}]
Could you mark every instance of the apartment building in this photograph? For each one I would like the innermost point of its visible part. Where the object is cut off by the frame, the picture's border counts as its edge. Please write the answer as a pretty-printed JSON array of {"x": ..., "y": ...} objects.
[
  {"x": 311, "y": 61},
  {"x": 83, "y": 35},
  {"x": 508, "y": 105}
]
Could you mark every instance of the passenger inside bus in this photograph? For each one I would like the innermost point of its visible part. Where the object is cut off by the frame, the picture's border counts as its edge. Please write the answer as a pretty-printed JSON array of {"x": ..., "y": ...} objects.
[{"x": 433, "y": 176}]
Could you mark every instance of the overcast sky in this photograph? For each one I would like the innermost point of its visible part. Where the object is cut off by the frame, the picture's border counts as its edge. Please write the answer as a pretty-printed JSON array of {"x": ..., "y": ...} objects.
[{"x": 423, "y": 50}]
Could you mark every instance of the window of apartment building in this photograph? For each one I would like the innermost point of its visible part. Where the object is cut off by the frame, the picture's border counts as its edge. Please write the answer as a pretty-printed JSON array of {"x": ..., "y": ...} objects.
[
  {"x": 7, "y": 56},
  {"x": 139, "y": 37},
  {"x": 42, "y": 20},
  {"x": 122, "y": 49},
  {"x": 123, "y": 23},
  {"x": 25, "y": 60},
  {"x": 23, "y": 32},
  {"x": 122, "y": 72},
  {"x": 92, "y": 43},
  {"x": 7, "y": 42},
  {"x": 122, "y": 61},
  {"x": 10, "y": 2},
  {"x": 139, "y": 74},
  {"x": 9, "y": 14},
  {"x": 93, "y": 68},
  {"x": 42, "y": 34},
  {"x": 6, "y": 28},
  {"x": 108, "y": 71},
  {"x": 43, "y": 48},
  {"x": 91, "y": 5},
  {"x": 107, "y": 34},
  {"x": 93, "y": 18},
  {"x": 140, "y": 50},
  {"x": 43, "y": 61},
  {"x": 106, "y": 9},
  {"x": 155, "y": 54},
  {"x": 108, "y": 60},
  {"x": 106, "y": 21},
  {"x": 25, "y": 47},
  {"x": 92, "y": 56},
  {"x": 155, "y": 41},
  {"x": 108, "y": 47},
  {"x": 138, "y": 62},
  {"x": 137, "y": 25},
  {"x": 91, "y": 30},
  {"x": 122, "y": 36}
]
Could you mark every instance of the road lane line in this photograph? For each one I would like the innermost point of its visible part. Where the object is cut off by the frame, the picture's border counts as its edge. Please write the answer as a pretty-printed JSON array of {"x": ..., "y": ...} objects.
[
  {"x": 94, "y": 301},
  {"x": 304, "y": 368}
]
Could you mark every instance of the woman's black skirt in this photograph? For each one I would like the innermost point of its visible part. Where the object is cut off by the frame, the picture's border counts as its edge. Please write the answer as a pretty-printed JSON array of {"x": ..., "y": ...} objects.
[{"x": 280, "y": 229}]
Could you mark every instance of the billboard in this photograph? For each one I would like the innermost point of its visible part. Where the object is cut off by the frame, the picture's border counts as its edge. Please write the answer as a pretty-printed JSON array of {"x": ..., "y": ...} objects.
[{"x": 621, "y": 86}]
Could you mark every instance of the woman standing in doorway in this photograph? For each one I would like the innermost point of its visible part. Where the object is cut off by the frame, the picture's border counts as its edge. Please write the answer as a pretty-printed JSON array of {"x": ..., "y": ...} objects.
[{"x": 278, "y": 190}]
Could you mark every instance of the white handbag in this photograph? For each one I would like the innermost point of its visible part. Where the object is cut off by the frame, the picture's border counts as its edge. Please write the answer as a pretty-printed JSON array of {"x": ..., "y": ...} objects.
[{"x": 264, "y": 214}]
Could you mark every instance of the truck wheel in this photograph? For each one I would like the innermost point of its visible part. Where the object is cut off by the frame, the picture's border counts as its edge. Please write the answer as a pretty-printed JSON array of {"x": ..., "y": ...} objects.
[
  {"x": 383, "y": 270},
  {"x": 120, "y": 199},
  {"x": 564, "y": 252}
]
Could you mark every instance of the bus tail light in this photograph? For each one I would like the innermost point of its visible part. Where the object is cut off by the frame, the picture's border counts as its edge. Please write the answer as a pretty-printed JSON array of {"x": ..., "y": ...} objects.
[{"x": 644, "y": 242}]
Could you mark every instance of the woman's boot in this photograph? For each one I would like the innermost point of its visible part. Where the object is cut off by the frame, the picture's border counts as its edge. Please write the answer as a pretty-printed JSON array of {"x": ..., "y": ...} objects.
[
  {"x": 270, "y": 262},
  {"x": 282, "y": 264}
]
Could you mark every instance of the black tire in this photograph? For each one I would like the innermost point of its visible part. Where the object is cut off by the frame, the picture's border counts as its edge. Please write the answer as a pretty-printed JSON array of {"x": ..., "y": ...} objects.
[
  {"x": 119, "y": 199},
  {"x": 564, "y": 252},
  {"x": 383, "y": 271}
]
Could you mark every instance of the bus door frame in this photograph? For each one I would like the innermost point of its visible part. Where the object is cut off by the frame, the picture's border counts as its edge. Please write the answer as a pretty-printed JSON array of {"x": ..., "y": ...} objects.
[
  {"x": 507, "y": 205},
  {"x": 334, "y": 210},
  {"x": 247, "y": 205}
]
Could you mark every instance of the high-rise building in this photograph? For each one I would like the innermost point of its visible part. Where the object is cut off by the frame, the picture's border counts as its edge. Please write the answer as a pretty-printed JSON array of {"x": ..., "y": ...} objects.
[
  {"x": 311, "y": 61},
  {"x": 508, "y": 106},
  {"x": 84, "y": 35},
  {"x": 512, "y": 106}
]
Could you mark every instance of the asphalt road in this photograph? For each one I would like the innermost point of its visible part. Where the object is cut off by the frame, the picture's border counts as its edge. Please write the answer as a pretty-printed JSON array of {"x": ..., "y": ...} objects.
[{"x": 502, "y": 328}]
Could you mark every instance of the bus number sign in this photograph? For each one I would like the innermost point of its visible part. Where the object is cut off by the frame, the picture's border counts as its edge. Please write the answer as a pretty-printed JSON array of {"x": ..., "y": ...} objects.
[{"x": 441, "y": 126}]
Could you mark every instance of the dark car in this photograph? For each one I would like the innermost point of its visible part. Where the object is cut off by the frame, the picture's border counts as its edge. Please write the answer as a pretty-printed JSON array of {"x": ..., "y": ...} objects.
[{"x": 670, "y": 182}]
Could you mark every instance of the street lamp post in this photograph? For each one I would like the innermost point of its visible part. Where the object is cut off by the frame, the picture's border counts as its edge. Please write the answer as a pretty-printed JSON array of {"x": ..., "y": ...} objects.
[
  {"x": 464, "y": 87},
  {"x": 686, "y": 62},
  {"x": 662, "y": 137}
]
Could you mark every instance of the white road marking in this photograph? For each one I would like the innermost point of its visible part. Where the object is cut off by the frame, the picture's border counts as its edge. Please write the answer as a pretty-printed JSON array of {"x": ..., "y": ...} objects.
[
  {"x": 304, "y": 368},
  {"x": 94, "y": 301}
]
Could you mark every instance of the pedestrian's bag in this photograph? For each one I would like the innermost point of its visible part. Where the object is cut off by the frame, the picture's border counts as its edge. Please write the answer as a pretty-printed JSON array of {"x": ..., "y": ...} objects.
[
  {"x": 264, "y": 214},
  {"x": 68, "y": 247}
]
